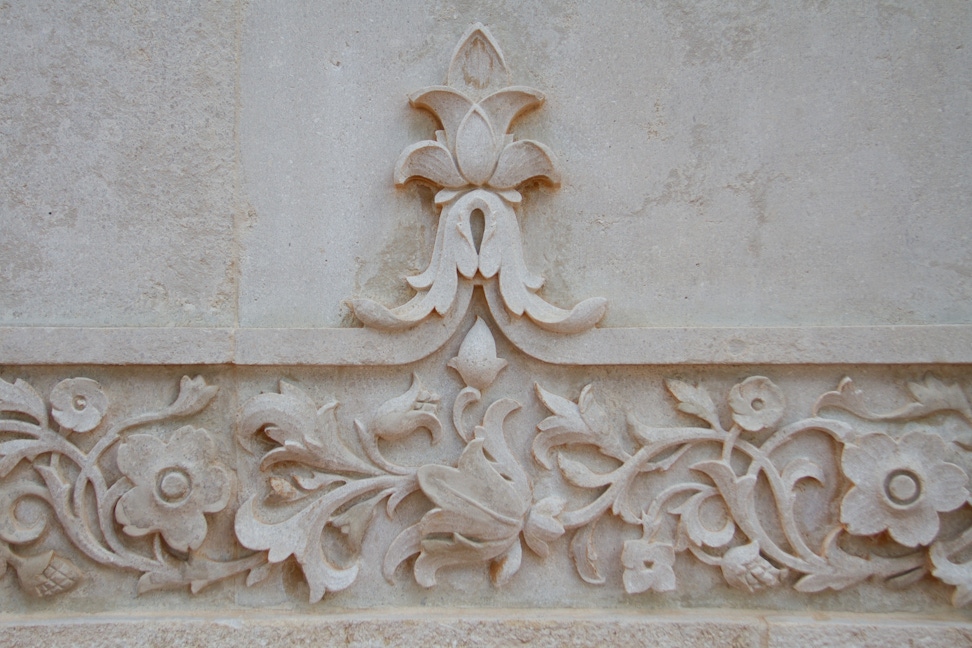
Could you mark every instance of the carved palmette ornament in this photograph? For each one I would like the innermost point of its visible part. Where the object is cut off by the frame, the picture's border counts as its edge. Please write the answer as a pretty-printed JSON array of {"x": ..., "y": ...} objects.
[{"x": 475, "y": 164}]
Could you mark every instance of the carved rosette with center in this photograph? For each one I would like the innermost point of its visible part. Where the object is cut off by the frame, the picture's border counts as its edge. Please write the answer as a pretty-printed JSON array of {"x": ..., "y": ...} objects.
[{"x": 476, "y": 165}]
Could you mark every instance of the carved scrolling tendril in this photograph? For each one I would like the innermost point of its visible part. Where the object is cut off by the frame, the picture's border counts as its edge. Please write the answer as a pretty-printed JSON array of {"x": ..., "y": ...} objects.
[
  {"x": 896, "y": 488},
  {"x": 479, "y": 509},
  {"x": 164, "y": 490},
  {"x": 733, "y": 497}
]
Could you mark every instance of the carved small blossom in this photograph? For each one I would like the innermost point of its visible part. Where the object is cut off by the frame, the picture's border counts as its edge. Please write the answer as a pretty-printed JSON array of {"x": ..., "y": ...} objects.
[
  {"x": 78, "y": 404},
  {"x": 900, "y": 486},
  {"x": 542, "y": 526},
  {"x": 745, "y": 569},
  {"x": 756, "y": 403},
  {"x": 176, "y": 484},
  {"x": 648, "y": 566}
]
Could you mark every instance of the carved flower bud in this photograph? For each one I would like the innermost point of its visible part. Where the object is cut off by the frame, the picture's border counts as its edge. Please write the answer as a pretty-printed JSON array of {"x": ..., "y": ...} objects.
[
  {"x": 78, "y": 404},
  {"x": 745, "y": 569},
  {"x": 415, "y": 409},
  {"x": 47, "y": 574},
  {"x": 477, "y": 362},
  {"x": 542, "y": 526}
]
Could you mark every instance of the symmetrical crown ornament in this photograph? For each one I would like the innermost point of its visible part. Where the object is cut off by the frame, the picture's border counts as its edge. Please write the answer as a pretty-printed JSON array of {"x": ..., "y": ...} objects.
[{"x": 475, "y": 164}]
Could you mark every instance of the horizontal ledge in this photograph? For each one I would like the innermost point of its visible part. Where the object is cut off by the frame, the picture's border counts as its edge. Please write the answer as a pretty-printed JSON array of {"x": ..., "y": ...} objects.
[
  {"x": 498, "y": 627},
  {"x": 135, "y": 346},
  {"x": 937, "y": 344},
  {"x": 744, "y": 345}
]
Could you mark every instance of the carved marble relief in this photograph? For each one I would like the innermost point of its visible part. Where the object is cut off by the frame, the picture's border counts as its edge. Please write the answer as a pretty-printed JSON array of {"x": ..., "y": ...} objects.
[
  {"x": 126, "y": 486},
  {"x": 768, "y": 496}
]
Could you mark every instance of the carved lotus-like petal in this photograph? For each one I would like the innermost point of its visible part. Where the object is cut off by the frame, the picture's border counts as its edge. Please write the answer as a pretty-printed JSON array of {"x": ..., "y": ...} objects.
[
  {"x": 458, "y": 550},
  {"x": 477, "y": 362},
  {"x": 756, "y": 403},
  {"x": 900, "y": 486},
  {"x": 524, "y": 160},
  {"x": 430, "y": 161},
  {"x": 507, "y": 104},
  {"x": 447, "y": 104},
  {"x": 648, "y": 566},
  {"x": 473, "y": 499},
  {"x": 477, "y": 63},
  {"x": 78, "y": 404},
  {"x": 176, "y": 483},
  {"x": 476, "y": 147},
  {"x": 478, "y": 517}
]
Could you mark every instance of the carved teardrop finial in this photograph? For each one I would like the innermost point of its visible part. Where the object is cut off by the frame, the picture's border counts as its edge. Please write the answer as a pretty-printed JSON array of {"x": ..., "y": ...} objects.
[
  {"x": 477, "y": 362},
  {"x": 478, "y": 62}
]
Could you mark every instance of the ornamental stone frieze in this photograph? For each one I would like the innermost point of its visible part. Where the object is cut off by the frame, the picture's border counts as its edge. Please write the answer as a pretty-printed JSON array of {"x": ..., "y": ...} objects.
[{"x": 472, "y": 437}]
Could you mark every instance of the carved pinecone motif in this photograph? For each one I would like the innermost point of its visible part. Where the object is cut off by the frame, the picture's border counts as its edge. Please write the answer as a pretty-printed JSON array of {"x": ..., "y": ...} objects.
[{"x": 47, "y": 574}]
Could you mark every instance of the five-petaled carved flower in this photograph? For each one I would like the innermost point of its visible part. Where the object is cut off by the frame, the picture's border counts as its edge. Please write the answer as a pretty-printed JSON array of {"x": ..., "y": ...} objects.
[
  {"x": 648, "y": 566},
  {"x": 900, "y": 486},
  {"x": 756, "y": 403},
  {"x": 78, "y": 404},
  {"x": 176, "y": 484}
]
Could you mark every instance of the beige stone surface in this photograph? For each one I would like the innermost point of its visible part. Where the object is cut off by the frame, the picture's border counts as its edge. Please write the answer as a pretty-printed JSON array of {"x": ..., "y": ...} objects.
[
  {"x": 119, "y": 196},
  {"x": 662, "y": 338},
  {"x": 624, "y": 404},
  {"x": 724, "y": 164},
  {"x": 502, "y": 628}
]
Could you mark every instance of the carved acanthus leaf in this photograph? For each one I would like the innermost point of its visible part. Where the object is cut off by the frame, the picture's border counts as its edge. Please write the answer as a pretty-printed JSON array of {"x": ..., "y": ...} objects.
[
  {"x": 582, "y": 422},
  {"x": 304, "y": 433},
  {"x": 931, "y": 396}
]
